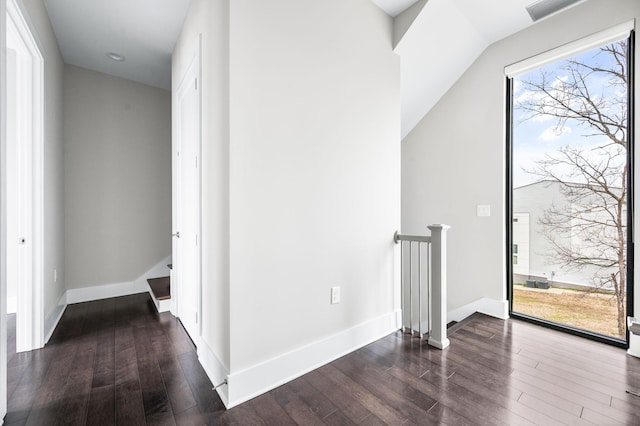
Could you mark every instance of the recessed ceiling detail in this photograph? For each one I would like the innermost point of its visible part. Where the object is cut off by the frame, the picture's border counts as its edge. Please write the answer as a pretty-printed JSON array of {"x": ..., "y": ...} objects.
[
  {"x": 543, "y": 8},
  {"x": 115, "y": 56}
]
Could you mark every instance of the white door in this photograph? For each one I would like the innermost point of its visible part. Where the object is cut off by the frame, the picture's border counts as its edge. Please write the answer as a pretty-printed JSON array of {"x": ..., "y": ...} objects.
[
  {"x": 187, "y": 262},
  {"x": 13, "y": 184}
]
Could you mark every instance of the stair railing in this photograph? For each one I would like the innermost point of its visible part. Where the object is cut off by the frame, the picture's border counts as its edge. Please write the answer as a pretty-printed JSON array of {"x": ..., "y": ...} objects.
[{"x": 423, "y": 284}]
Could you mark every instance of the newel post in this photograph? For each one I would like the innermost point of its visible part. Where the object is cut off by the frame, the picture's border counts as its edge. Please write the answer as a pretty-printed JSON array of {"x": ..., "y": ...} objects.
[{"x": 438, "y": 336}]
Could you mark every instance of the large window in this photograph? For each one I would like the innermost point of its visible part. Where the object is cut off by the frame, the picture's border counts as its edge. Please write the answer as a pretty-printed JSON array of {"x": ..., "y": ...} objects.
[{"x": 570, "y": 179}]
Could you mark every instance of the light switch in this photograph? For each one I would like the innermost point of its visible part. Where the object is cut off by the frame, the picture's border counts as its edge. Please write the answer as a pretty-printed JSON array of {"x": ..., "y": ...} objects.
[{"x": 335, "y": 295}]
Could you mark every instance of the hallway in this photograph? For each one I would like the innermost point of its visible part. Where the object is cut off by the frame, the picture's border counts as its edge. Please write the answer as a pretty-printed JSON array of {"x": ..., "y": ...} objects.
[{"x": 114, "y": 361}]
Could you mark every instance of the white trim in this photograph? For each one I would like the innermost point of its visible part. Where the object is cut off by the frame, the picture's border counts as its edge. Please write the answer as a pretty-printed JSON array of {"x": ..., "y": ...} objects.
[
  {"x": 3, "y": 210},
  {"x": 52, "y": 320},
  {"x": 258, "y": 379},
  {"x": 172, "y": 302},
  {"x": 634, "y": 345},
  {"x": 161, "y": 305},
  {"x": 140, "y": 285},
  {"x": 491, "y": 307},
  {"x": 589, "y": 42},
  {"x": 216, "y": 372},
  {"x": 99, "y": 292},
  {"x": 30, "y": 310},
  {"x": 12, "y": 305}
]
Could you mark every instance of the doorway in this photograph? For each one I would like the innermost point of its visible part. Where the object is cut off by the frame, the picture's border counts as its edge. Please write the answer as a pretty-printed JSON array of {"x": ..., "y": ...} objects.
[
  {"x": 188, "y": 208},
  {"x": 24, "y": 167},
  {"x": 571, "y": 187}
]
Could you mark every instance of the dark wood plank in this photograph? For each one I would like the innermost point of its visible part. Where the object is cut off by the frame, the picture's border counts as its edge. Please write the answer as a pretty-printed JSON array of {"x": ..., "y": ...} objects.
[
  {"x": 154, "y": 394},
  {"x": 300, "y": 412},
  {"x": 118, "y": 361},
  {"x": 266, "y": 407},
  {"x": 370, "y": 401},
  {"x": 411, "y": 402},
  {"x": 190, "y": 417},
  {"x": 102, "y": 406},
  {"x": 344, "y": 401},
  {"x": 201, "y": 387},
  {"x": 129, "y": 408}
]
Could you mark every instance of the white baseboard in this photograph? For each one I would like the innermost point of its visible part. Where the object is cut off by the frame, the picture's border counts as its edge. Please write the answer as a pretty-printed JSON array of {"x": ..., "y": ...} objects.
[
  {"x": 253, "y": 381},
  {"x": 634, "y": 345},
  {"x": 161, "y": 305},
  {"x": 215, "y": 370},
  {"x": 491, "y": 307},
  {"x": 52, "y": 320},
  {"x": 140, "y": 285},
  {"x": 89, "y": 294},
  {"x": 12, "y": 305}
]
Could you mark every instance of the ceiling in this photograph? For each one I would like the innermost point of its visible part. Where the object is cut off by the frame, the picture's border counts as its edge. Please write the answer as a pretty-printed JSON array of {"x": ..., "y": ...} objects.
[
  {"x": 469, "y": 27},
  {"x": 394, "y": 7},
  {"x": 468, "y": 30},
  {"x": 145, "y": 32}
]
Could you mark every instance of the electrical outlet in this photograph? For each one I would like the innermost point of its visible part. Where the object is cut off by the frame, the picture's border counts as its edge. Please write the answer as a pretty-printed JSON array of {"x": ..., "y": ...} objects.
[
  {"x": 335, "y": 295},
  {"x": 483, "y": 210}
]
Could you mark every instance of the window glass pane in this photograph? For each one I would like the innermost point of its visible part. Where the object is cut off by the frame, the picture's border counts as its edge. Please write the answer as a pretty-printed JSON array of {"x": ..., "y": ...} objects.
[{"x": 569, "y": 190}]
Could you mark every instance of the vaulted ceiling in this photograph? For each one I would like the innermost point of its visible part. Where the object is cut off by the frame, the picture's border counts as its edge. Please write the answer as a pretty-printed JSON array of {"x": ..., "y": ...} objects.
[{"x": 437, "y": 40}]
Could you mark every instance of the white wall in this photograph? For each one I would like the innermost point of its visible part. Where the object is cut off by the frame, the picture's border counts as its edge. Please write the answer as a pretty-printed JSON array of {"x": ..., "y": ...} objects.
[
  {"x": 301, "y": 181},
  {"x": 315, "y": 172},
  {"x": 211, "y": 19},
  {"x": 117, "y": 178},
  {"x": 455, "y": 158}
]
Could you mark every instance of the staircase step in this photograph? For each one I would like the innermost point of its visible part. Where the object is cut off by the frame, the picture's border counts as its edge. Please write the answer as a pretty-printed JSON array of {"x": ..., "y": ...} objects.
[{"x": 161, "y": 288}]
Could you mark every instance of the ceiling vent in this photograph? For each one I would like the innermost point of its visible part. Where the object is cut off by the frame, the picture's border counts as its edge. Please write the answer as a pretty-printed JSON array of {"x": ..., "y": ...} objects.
[{"x": 543, "y": 8}]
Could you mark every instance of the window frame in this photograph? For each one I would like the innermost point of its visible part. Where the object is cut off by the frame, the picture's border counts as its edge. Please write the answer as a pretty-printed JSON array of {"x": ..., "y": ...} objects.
[{"x": 625, "y": 30}]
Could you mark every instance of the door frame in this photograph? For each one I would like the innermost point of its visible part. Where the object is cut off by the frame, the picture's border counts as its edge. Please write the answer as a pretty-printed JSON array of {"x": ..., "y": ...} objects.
[
  {"x": 3, "y": 223},
  {"x": 195, "y": 64},
  {"x": 30, "y": 312}
]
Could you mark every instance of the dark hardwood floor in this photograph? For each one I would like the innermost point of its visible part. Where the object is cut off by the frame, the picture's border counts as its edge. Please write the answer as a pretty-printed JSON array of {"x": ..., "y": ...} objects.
[{"x": 118, "y": 361}]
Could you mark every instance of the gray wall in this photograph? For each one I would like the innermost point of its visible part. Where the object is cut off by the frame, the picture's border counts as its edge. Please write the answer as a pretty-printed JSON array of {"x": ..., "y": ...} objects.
[
  {"x": 455, "y": 158},
  {"x": 117, "y": 178}
]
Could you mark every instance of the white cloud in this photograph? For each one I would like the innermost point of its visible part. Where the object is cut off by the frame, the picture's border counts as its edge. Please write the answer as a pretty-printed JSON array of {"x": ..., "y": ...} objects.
[
  {"x": 527, "y": 96},
  {"x": 554, "y": 132}
]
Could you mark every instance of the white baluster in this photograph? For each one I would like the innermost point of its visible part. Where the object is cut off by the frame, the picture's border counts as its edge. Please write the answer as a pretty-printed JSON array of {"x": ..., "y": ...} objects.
[{"x": 438, "y": 337}]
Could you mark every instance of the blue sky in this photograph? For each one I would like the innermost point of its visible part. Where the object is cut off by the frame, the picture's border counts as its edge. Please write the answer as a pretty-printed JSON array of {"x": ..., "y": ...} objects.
[{"x": 540, "y": 134}]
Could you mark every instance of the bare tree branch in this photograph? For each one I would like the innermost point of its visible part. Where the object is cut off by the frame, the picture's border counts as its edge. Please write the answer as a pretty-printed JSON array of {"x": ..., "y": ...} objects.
[{"x": 590, "y": 229}]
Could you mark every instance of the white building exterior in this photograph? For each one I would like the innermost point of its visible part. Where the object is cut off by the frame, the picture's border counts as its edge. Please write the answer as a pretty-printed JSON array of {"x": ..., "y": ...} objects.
[{"x": 533, "y": 253}]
